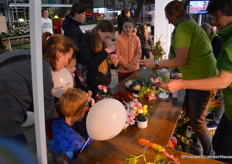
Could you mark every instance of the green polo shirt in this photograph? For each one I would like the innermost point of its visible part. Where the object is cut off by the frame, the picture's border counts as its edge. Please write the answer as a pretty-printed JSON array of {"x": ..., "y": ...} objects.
[
  {"x": 225, "y": 63},
  {"x": 201, "y": 62}
]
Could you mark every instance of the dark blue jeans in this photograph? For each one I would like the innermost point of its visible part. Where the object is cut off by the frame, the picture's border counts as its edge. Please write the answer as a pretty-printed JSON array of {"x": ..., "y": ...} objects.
[
  {"x": 222, "y": 139},
  {"x": 196, "y": 103}
]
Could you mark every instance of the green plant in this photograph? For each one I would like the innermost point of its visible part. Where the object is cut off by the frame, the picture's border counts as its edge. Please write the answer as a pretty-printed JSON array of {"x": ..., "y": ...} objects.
[{"x": 141, "y": 118}]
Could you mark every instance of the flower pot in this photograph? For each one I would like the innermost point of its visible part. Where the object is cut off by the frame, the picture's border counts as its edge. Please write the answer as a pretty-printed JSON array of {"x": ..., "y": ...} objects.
[{"x": 142, "y": 124}]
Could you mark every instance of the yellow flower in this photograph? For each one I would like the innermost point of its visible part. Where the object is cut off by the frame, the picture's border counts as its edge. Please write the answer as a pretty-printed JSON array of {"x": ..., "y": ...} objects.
[
  {"x": 157, "y": 148},
  {"x": 145, "y": 109}
]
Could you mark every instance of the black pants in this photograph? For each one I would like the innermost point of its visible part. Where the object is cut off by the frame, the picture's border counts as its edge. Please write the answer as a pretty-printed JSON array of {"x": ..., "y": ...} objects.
[
  {"x": 222, "y": 140},
  {"x": 196, "y": 103}
]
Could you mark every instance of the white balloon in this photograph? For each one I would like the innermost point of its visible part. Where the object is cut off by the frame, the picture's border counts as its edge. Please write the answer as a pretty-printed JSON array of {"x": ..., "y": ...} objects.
[
  {"x": 62, "y": 81},
  {"x": 106, "y": 119}
]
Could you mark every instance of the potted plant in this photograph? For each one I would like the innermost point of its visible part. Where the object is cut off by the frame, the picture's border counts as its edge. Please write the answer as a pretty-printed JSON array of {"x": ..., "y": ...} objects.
[{"x": 141, "y": 121}]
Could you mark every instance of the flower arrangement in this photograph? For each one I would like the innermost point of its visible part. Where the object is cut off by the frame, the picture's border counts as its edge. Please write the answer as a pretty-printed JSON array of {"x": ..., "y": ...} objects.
[
  {"x": 184, "y": 134},
  {"x": 160, "y": 154},
  {"x": 138, "y": 110},
  {"x": 123, "y": 98},
  {"x": 103, "y": 89},
  {"x": 104, "y": 92},
  {"x": 157, "y": 50},
  {"x": 148, "y": 92}
]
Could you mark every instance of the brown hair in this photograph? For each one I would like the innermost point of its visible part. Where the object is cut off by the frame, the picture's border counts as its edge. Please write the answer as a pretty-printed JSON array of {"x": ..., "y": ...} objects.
[
  {"x": 52, "y": 43},
  {"x": 73, "y": 101},
  {"x": 142, "y": 29},
  {"x": 76, "y": 8},
  {"x": 104, "y": 26},
  {"x": 124, "y": 12},
  {"x": 175, "y": 5}
]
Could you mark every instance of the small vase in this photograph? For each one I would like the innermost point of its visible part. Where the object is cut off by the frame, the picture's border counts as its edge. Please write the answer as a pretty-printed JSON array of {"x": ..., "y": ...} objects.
[{"x": 142, "y": 124}]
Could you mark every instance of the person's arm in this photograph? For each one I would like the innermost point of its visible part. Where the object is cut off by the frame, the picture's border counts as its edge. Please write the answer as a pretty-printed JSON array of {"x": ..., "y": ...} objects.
[
  {"x": 138, "y": 52},
  {"x": 179, "y": 60},
  {"x": 221, "y": 81},
  {"x": 121, "y": 59}
]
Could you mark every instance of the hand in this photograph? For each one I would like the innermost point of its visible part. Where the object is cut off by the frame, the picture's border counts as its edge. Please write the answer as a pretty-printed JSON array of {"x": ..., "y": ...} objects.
[
  {"x": 129, "y": 67},
  {"x": 110, "y": 48},
  {"x": 171, "y": 85},
  {"x": 114, "y": 60},
  {"x": 150, "y": 63}
]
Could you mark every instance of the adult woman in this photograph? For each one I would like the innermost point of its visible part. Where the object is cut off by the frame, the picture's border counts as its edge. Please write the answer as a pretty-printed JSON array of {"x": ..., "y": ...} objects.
[
  {"x": 191, "y": 52},
  {"x": 16, "y": 84},
  {"x": 126, "y": 13},
  {"x": 222, "y": 18},
  {"x": 94, "y": 52},
  {"x": 71, "y": 24}
]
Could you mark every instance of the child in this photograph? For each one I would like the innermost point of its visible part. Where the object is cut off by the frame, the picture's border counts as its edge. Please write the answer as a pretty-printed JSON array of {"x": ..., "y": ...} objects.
[
  {"x": 72, "y": 69},
  {"x": 143, "y": 36},
  {"x": 66, "y": 143},
  {"x": 128, "y": 50}
]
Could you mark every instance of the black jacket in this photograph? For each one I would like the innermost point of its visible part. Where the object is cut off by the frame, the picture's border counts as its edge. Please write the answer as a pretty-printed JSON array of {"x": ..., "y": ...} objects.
[
  {"x": 92, "y": 60},
  {"x": 72, "y": 30}
]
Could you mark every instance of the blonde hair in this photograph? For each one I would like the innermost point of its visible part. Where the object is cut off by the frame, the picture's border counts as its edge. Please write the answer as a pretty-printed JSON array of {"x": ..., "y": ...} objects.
[
  {"x": 104, "y": 26},
  {"x": 73, "y": 101}
]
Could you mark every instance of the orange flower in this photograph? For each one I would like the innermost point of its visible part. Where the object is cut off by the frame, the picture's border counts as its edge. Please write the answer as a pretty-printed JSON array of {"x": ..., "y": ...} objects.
[{"x": 143, "y": 141}]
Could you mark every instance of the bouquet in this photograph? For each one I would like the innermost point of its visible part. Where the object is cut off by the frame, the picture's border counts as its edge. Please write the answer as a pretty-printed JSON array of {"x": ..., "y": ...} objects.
[
  {"x": 157, "y": 50},
  {"x": 137, "y": 110}
]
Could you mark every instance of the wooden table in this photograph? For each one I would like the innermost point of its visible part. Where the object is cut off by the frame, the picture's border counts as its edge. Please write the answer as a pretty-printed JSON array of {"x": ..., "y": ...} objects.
[{"x": 161, "y": 124}]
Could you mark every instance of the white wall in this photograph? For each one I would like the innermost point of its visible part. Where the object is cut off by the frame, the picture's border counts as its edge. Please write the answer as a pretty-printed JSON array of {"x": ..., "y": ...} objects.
[{"x": 161, "y": 25}]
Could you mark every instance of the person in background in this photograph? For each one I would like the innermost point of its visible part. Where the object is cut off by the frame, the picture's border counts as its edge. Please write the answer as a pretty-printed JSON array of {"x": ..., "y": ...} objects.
[
  {"x": 142, "y": 33},
  {"x": 215, "y": 39},
  {"x": 191, "y": 52},
  {"x": 152, "y": 14},
  {"x": 221, "y": 13},
  {"x": 66, "y": 143},
  {"x": 216, "y": 42},
  {"x": 46, "y": 22},
  {"x": 72, "y": 22},
  {"x": 71, "y": 27},
  {"x": 94, "y": 51},
  {"x": 128, "y": 50},
  {"x": 125, "y": 13},
  {"x": 16, "y": 83}
]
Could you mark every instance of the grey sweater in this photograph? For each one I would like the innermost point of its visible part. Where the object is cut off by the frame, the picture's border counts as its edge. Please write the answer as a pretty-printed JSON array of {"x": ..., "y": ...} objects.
[{"x": 16, "y": 91}]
